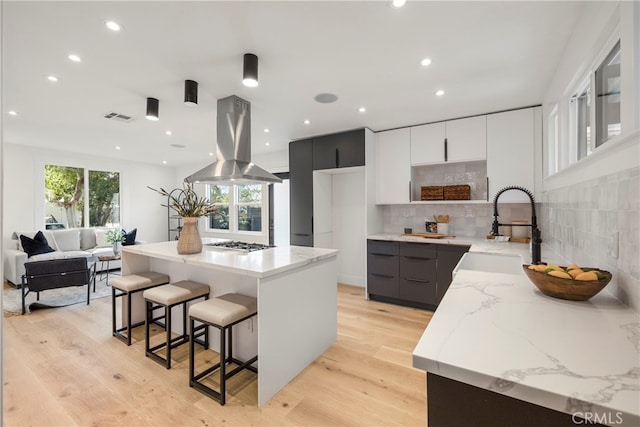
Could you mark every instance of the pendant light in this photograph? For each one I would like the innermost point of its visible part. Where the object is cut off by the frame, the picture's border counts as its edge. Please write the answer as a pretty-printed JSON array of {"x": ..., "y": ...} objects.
[
  {"x": 250, "y": 70},
  {"x": 152, "y": 109},
  {"x": 190, "y": 92}
]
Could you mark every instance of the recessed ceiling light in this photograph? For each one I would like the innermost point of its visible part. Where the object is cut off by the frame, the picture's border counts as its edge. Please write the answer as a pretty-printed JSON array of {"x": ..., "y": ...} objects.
[
  {"x": 53, "y": 78},
  {"x": 164, "y": 162},
  {"x": 168, "y": 132},
  {"x": 266, "y": 130},
  {"x": 362, "y": 109},
  {"x": 74, "y": 58},
  {"x": 12, "y": 113},
  {"x": 398, "y": 3},
  {"x": 211, "y": 154},
  {"x": 306, "y": 122},
  {"x": 117, "y": 147},
  {"x": 112, "y": 25},
  {"x": 267, "y": 144},
  {"x": 425, "y": 62},
  {"x": 440, "y": 92}
]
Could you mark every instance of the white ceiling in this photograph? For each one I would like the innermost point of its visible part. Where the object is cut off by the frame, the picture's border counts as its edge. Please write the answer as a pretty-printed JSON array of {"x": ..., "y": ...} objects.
[{"x": 487, "y": 56}]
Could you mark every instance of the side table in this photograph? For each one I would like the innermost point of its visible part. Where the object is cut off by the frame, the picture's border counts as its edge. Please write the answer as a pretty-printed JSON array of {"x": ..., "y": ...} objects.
[{"x": 107, "y": 259}]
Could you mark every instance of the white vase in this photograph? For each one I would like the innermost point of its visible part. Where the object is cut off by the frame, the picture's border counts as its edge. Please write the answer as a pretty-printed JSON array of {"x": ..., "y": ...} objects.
[{"x": 117, "y": 247}]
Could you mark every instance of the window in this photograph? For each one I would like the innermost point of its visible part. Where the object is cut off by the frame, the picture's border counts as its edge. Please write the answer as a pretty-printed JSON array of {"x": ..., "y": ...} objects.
[
  {"x": 608, "y": 97},
  {"x": 241, "y": 207},
  {"x": 581, "y": 121},
  {"x": 66, "y": 201}
]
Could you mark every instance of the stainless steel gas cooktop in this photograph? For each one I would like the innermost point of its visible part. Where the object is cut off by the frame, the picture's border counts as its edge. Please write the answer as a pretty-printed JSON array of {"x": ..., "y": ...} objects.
[{"x": 239, "y": 246}]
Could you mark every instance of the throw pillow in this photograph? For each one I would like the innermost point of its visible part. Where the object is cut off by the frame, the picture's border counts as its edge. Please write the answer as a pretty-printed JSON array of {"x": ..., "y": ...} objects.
[
  {"x": 130, "y": 237},
  {"x": 37, "y": 245},
  {"x": 101, "y": 238}
]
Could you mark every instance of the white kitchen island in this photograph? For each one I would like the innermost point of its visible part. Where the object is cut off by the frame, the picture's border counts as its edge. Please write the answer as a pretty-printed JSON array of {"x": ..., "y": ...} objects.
[{"x": 296, "y": 288}]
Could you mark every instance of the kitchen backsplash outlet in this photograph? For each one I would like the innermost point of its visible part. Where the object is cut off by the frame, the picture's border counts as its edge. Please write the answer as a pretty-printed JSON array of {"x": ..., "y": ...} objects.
[{"x": 472, "y": 220}]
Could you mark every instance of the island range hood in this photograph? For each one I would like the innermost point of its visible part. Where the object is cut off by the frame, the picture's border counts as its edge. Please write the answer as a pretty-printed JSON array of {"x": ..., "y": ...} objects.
[{"x": 233, "y": 148}]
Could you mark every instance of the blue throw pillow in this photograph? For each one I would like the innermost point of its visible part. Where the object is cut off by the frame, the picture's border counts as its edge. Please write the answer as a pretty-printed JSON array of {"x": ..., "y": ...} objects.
[
  {"x": 130, "y": 237},
  {"x": 37, "y": 245}
]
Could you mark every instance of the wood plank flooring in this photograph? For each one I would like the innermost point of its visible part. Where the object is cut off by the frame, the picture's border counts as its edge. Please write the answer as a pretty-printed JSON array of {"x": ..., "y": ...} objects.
[{"x": 62, "y": 367}]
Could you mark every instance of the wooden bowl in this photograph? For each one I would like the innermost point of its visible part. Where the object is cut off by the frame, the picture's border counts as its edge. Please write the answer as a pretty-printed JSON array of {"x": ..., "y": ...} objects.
[{"x": 569, "y": 289}]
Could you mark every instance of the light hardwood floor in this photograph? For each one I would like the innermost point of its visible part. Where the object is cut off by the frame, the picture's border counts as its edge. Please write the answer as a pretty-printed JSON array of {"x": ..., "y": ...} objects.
[{"x": 62, "y": 367}]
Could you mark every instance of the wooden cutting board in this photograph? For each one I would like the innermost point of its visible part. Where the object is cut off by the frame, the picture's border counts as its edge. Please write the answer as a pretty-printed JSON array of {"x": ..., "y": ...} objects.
[{"x": 430, "y": 235}]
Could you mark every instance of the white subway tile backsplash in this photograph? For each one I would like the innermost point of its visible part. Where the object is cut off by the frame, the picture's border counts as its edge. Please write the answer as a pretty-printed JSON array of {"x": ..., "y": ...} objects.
[{"x": 579, "y": 223}]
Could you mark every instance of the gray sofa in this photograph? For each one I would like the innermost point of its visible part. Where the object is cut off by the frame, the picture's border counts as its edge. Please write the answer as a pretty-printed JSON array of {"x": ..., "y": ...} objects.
[{"x": 71, "y": 243}]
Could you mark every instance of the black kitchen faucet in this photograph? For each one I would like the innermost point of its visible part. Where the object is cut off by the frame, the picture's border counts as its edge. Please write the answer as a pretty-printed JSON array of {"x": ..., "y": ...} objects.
[{"x": 536, "y": 253}]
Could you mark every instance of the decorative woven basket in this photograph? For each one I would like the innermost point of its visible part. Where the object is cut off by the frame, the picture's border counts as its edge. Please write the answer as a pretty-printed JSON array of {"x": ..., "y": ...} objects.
[
  {"x": 574, "y": 290},
  {"x": 457, "y": 192},
  {"x": 431, "y": 193}
]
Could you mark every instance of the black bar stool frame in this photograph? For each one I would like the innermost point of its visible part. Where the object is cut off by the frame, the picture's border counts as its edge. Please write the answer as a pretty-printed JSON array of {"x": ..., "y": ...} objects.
[
  {"x": 194, "y": 380},
  {"x": 117, "y": 332},
  {"x": 170, "y": 343}
]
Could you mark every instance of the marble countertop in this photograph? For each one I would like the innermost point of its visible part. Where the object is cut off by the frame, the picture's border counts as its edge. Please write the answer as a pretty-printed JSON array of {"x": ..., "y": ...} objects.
[
  {"x": 498, "y": 332},
  {"x": 262, "y": 263}
]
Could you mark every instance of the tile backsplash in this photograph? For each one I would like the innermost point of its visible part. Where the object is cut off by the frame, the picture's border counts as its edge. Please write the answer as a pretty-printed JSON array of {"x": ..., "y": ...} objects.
[
  {"x": 596, "y": 223},
  {"x": 466, "y": 219}
]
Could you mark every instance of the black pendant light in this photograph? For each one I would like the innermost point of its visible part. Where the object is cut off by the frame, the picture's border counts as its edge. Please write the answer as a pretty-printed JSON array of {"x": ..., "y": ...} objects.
[
  {"x": 153, "y": 106},
  {"x": 250, "y": 70},
  {"x": 190, "y": 92}
]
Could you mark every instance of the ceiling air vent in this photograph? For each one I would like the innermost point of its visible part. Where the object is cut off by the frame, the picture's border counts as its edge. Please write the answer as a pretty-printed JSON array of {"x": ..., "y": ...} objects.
[{"x": 118, "y": 117}]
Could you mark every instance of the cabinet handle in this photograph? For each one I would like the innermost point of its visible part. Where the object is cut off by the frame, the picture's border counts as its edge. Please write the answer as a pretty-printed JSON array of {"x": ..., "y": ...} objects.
[
  {"x": 418, "y": 258},
  {"x": 409, "y": 191},
  {"x": 487, "y": 189},
  {"x": 446, "y": 150},
  {"x": 312, "y": 224},
  {"x": 337, "y": 158},
  {"x": 384, "y": 276},
  {"x": 385, "y": 255},
  {"x": 300, "y": 234},
  {"x": 411, "y": 279}
]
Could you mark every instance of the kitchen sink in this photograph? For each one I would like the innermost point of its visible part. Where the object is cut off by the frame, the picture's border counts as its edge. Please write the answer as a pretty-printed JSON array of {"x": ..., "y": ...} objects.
[{"x": 492, "y": 263}]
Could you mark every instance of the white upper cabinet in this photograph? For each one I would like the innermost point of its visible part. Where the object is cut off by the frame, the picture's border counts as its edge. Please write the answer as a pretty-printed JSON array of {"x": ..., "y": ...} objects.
[
  {"x": 459, "y": 140},
  {"x": 427, "y": 143},
  {"x": 510, "y": 152},
  {"x": 466, "y": 139},
  {"x": 393, "y": 170}
]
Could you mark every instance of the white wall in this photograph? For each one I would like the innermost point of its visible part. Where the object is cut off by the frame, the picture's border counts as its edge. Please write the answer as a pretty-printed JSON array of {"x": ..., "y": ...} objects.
[{"x": 23, "y": 198}]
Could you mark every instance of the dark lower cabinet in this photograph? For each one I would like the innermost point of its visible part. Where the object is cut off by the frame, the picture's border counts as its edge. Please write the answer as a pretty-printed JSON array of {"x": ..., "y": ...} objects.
[
  {"x": 301, "y": 193},
  {"x": 411, "y": 274}
]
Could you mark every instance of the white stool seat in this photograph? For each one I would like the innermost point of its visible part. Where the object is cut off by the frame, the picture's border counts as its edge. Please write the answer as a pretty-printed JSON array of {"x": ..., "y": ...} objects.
[
  {"x": 177, "y": 292},
  {"x": 139, "y": 281},
  {"x": 225, "y": 309}
]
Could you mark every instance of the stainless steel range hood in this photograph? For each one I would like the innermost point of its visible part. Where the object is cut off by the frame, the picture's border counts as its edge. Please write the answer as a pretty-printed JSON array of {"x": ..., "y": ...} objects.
[{"x": 233, "y": 148}]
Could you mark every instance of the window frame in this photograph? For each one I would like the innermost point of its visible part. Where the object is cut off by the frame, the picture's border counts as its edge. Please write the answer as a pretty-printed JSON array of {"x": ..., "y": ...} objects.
[{"x": 233, "y": 211}]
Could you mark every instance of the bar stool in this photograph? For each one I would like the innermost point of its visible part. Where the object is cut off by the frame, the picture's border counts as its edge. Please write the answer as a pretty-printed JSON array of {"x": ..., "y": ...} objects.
[
  {"x": 129, "y": 285},
  {"x": 167, "y": 297},
  {"x": 221, "y": 312}
]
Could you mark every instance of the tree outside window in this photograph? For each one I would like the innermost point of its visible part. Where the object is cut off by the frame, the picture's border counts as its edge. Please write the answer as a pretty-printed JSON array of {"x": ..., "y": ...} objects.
[
  {"x": 65, "y": 190},
  {"x": 240, "y": 207}
]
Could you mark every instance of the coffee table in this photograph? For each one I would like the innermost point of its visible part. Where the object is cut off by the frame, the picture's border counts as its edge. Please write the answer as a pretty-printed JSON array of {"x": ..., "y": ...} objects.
[{"x": 107, "y": 259}]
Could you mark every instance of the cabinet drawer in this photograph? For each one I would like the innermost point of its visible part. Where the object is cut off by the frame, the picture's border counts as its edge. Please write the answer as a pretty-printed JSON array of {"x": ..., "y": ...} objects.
[
  {"x": 424, "y": 292},
  {"x": 418, "y": 250},
  {"x": 418, "y": 269},
  {"x": 383, "y": 286},
  {"x": 386, "y": 265},
  {"x": 382, "y": 248}
]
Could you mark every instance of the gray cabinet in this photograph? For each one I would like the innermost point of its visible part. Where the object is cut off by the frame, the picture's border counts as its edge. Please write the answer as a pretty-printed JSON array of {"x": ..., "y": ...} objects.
[
  {"x": 411, "y": 274},
  {"x": 340, "y": 150},
  {"x": 383, "y": 268},
  {"x": 301, "y": 193}
]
